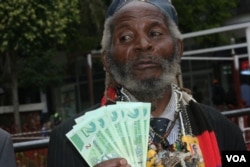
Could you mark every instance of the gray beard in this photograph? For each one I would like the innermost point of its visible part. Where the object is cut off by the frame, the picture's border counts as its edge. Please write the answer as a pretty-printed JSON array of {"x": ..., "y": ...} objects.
[{"x": 147, "y": 90}]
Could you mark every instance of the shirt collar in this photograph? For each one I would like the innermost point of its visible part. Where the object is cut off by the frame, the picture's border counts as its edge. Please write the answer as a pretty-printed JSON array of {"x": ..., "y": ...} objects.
[{"x": 168, "y": 112}]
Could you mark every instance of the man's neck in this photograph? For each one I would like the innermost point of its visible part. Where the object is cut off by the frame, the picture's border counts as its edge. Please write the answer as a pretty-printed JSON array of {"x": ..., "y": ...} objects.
[
  {"x": 157, "y": 106},
  {"x": 160, "y": 104}
]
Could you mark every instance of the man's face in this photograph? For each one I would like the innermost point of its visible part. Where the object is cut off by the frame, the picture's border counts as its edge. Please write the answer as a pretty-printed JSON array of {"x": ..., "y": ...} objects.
[{"x": 143, "y": 53}]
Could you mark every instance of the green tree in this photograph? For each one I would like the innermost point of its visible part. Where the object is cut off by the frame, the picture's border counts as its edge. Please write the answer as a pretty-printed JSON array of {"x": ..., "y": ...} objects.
[
  {"x": 196, "y": 15},
  {"x": 91, "y": 26},
  {"x": 30, "y": 33}
]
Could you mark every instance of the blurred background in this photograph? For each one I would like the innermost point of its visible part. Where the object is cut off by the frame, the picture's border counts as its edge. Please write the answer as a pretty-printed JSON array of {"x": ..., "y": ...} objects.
[{"x": 50, "y": 67}]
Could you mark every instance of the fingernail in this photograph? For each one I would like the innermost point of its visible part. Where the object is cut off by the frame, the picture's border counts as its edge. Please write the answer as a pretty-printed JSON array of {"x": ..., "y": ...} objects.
[{"x": 123, "y": 161}]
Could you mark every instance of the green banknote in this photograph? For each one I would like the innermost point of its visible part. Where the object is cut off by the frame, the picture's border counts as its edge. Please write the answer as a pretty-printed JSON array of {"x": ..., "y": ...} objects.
[
  {"x": 117, "y": 120},
  {"x": 96, "y": 146},
  {"x": 134, "y": 122},
  {"x": 119, "y": 130}
]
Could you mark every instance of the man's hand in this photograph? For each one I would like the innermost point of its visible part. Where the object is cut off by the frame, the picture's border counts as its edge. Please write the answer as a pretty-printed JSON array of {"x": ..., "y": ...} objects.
[{"x": 116, "y": 162}]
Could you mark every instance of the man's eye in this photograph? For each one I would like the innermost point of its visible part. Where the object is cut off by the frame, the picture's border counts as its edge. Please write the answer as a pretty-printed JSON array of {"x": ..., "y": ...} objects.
[
  {"x": 155, "y": 34},
  {"x": 125, "y": 38}
]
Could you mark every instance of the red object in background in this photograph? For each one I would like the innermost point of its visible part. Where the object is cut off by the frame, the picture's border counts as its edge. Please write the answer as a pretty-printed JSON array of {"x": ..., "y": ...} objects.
[
  {"x": 244, "y": 65},
  {"x": 32, "y": 158}
]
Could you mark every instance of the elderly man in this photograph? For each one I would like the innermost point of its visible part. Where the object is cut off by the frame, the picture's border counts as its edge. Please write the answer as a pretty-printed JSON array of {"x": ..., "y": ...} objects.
[{"x": 141, "y": 51}]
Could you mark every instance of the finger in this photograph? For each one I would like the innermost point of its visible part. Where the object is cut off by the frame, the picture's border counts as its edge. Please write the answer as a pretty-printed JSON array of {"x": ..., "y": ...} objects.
[{"x": 116, "y": 162}]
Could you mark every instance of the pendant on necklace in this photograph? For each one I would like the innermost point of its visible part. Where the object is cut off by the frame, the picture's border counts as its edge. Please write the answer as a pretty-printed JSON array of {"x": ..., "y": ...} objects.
[
  {"x": 175, "y": 158},
  {"x": 191, "y": 144},
  {"x": 185, "y": 152}
]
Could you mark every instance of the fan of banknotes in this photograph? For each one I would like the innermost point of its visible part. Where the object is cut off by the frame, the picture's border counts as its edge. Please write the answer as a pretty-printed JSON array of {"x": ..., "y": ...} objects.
[{"x": 118, "y": 130}]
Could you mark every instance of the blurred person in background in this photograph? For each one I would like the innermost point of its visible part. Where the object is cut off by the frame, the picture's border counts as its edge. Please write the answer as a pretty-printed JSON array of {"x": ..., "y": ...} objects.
[
  {"x": 7, "y": 154},
  {"x": 245, "y": 90},
  {"x": 218, "y": 95}
]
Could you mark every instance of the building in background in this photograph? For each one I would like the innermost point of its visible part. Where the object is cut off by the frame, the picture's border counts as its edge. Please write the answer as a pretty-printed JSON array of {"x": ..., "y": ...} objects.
[{"x": 83, "y": 84}]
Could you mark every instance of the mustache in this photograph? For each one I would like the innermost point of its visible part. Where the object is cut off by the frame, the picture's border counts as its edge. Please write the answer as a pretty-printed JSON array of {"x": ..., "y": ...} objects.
[{"x": 147, "y": 58}]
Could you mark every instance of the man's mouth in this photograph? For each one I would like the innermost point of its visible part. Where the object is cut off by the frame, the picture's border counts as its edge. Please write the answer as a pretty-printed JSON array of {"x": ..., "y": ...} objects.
[{"x": 144, "y": 64}]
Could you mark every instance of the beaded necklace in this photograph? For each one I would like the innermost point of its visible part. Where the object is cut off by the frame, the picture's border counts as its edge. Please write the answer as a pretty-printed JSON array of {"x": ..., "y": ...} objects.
[{"x": 178, "y": 153}]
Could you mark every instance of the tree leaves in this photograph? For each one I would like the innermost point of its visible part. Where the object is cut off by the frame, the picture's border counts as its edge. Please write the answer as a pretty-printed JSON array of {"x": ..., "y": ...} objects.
[
  {"x": 27, "y": 24},
  {"x": 197, "y": 15}
]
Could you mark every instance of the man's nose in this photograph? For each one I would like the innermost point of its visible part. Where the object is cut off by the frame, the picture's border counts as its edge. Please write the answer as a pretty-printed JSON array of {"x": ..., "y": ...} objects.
[{"x": 143, "y": 43}]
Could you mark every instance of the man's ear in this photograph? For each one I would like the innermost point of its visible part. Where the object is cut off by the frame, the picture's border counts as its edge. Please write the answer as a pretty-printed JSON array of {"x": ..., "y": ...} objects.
[
  {"x": 180, "y": 48},
  {"x": 179, "y": 80},
  {"x": 104, "y": 61}
]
